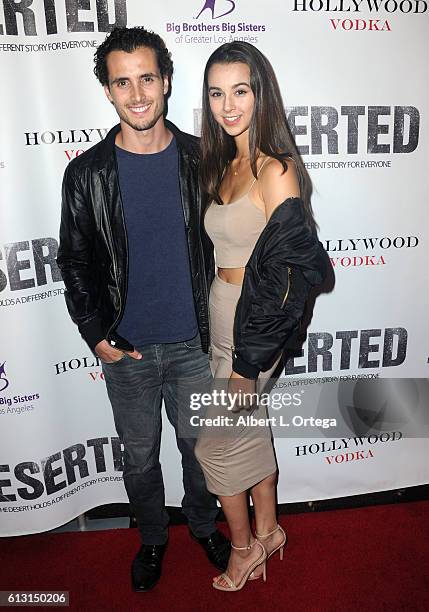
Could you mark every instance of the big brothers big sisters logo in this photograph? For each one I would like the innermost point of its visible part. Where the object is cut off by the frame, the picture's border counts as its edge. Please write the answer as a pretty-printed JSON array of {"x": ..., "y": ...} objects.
[
  {"x": 4, "y": 383},
  {"x": 209, "y": 26},
  {"x": 210, "y": 5}
]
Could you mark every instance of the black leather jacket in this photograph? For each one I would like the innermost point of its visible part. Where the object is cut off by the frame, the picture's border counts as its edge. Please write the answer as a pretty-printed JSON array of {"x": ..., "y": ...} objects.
[
  {"x": 286, "y": 262},
  {"x": 93, "y": 250}
]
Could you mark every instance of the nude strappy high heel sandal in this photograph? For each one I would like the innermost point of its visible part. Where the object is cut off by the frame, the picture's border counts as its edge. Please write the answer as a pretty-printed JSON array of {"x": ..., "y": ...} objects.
[
  {"x": 281, "y": 546},
  {"x": 260, "y": 561}
]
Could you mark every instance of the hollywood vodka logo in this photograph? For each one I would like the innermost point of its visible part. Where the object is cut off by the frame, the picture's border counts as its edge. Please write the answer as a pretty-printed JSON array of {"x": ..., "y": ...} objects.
[
  {"x": 210, "y": 5},
  {"x": 4, "y": 383}
]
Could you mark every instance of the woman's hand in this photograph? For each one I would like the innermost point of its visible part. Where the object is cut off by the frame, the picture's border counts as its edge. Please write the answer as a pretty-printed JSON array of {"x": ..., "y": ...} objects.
[{"x": 243, "y": 390}]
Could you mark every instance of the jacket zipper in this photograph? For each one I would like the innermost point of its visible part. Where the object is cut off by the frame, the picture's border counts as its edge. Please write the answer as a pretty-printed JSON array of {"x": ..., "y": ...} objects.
[
  {"x": 114, "y": 262},
  {"x": 202, "y": 253},
  {"x": 289, "y": 273}
]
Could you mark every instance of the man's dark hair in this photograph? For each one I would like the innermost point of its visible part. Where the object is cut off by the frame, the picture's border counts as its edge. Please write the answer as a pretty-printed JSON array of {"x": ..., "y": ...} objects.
[{"x": 128, "y": 40}]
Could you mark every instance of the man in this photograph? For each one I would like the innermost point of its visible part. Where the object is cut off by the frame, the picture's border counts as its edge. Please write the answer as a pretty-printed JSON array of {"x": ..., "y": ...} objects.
[{"x": 136, "y": 270}]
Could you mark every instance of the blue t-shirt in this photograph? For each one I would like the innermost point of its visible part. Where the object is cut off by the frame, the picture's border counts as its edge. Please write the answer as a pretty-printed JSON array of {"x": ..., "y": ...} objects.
[{"x": 159, "y": 306}]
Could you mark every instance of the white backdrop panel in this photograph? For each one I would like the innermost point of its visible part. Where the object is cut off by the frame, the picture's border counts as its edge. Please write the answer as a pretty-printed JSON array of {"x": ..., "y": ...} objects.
[{"x": 59, "y": 454}]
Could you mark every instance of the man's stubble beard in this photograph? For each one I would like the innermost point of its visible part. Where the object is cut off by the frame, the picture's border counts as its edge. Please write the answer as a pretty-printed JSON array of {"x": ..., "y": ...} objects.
[{"x": 141, "y": 127}]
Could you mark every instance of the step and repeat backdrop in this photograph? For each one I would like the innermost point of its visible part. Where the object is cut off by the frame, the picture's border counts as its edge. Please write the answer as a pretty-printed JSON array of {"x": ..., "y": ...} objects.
[{"x": 353, "y": 77}]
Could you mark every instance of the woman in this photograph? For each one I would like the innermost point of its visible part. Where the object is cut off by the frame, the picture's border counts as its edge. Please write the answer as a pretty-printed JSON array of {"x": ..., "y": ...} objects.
[{"x": 260, "y": 221}]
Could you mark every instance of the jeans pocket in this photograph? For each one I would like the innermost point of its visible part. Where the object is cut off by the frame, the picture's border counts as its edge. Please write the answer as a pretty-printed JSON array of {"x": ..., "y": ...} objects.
[
  {"x": 193, "y": 343},
  {"x": 112, "y": 363}
]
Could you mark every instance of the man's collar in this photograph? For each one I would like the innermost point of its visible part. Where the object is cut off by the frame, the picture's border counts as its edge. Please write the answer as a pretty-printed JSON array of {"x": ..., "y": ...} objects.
[{"x": 106, "y": 150}]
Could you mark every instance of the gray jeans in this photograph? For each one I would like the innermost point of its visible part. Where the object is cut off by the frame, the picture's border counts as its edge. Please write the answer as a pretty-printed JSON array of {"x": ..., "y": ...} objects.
[{"x": 136, "y": 389}]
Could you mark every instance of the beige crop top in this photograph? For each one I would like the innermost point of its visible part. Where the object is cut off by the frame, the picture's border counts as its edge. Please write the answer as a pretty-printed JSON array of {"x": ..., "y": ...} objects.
[{"x": 234, "y": 229}]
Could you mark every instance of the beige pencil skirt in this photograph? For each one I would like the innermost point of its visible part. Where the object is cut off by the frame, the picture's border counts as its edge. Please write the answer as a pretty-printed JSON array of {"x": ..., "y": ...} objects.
[{"x": 233, "y": 458}]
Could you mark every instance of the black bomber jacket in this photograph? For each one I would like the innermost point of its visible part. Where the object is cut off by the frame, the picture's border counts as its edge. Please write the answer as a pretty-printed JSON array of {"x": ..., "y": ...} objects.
[
  {"x": 93, "y": 250},
  {"x": 287, "y": 261}
]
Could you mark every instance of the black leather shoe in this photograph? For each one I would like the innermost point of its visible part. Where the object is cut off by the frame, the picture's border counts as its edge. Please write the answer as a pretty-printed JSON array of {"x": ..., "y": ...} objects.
[
  {"x": 217, "y": 548},
  {"x": 147, "y": 566}
]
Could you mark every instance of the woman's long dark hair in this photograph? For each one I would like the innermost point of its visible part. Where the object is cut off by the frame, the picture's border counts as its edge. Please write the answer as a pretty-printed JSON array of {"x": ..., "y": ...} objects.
[{"x": 269, "y": 132}]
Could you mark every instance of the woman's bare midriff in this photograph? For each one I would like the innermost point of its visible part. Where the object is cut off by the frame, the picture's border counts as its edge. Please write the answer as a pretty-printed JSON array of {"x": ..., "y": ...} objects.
[{"x": 234, "y": 276}]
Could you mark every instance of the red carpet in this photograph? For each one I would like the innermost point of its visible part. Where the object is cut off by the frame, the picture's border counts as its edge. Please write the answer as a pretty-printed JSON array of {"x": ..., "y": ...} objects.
[{"x": 367, "y": 559}]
